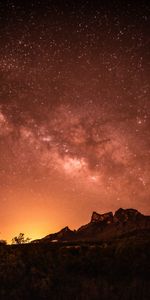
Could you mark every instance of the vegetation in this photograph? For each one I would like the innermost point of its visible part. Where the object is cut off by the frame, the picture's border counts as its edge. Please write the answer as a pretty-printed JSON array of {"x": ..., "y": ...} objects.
[
  {"x": 3, "y": 242},
  {"x": 113, "y": 270},
  {"x": 20, "y": 239}
]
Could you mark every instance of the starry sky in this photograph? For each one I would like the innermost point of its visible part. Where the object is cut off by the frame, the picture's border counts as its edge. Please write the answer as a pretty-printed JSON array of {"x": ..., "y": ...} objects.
[{"x": 74, "y": 112}]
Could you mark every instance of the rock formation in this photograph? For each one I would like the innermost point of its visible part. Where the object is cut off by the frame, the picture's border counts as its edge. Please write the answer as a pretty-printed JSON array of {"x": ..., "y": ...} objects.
[
  {"x": 104, "y": 227},
  {"x": 107, "y": 217}
]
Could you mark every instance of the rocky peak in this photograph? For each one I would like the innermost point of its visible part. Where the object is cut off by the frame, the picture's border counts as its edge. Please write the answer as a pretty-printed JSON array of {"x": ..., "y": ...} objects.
[
  {"x": 63, "y": 232},
  {"x": 65, "y": 229},
  {"x": 124, "y": 215},
  {"x": 107, "y": 217}
]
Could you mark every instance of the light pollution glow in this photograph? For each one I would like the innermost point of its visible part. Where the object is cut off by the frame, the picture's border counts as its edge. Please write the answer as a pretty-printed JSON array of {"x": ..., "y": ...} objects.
[{"x": 74, "y": 114}]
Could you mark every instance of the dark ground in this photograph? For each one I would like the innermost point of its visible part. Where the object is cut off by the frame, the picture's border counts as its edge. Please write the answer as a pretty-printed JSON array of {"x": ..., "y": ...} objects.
[{"x": 114, "y": 270}]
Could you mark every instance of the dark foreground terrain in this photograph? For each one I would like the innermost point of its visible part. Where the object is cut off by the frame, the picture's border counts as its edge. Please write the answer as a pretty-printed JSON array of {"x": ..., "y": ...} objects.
[
  {"x": 111, "y": 270},
  {"x": 106, "y": 259}
]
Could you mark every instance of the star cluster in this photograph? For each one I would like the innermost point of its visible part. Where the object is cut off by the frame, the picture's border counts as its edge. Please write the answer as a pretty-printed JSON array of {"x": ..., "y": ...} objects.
[{"x": 74, "y": 111}]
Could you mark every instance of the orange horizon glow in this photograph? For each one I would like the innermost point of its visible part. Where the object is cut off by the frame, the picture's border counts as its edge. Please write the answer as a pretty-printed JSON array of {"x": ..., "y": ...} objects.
[{"x": 74, "y": 114}]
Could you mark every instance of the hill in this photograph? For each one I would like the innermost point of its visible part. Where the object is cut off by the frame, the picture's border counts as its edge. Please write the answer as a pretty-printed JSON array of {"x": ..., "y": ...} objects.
[
  {"x": 108, "y": 258},
  {"x": 103, "y": 227}
]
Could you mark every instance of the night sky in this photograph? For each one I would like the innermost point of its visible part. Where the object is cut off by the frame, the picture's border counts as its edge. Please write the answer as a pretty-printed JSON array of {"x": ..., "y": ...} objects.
[{"x": 74, "y": 112}]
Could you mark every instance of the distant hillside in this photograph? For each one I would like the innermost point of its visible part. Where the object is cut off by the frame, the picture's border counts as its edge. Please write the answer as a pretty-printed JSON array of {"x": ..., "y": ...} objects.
[
  {"x": 103, "y": 227},
  {"x": 108, "y": 258}
]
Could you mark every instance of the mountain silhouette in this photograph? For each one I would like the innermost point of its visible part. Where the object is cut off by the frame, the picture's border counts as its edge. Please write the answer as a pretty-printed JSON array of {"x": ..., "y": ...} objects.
[
  {"x": 104, "y": 227},
  {"x": 108, "y": 258}
]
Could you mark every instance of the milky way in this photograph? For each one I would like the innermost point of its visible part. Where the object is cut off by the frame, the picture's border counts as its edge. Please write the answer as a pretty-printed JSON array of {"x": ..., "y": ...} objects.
[{"x": 74, "y": 112}]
